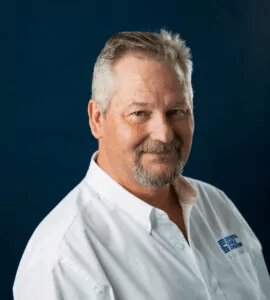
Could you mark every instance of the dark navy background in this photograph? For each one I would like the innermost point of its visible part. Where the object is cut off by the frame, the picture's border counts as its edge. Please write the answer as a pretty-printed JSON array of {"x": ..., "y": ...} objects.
[{"x": 57, "y": 43}]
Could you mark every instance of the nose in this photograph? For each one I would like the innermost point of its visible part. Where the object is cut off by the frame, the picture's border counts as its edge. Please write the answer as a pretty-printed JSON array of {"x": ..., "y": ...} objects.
[{"x": 161, "y": 129}]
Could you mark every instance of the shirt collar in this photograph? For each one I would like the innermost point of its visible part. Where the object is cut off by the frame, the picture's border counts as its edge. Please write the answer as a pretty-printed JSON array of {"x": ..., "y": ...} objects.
[{"x": 106, "y": 187}]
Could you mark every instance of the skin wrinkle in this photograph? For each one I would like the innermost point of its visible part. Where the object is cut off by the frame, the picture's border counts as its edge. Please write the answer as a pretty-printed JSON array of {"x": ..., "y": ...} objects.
[{"x": 124, "y": 138}]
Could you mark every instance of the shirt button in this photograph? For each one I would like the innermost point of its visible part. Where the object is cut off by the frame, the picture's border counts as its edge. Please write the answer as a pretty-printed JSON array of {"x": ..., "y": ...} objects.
[
  {"x": 97, "y": 290},
  {"x": 213, "y": 280},
  {"x": 160, "y": 214},
  {"x": 220, "y": 293},
  {"x": 181, "y": 246},
  {"x": 215, "y": 285},
  {"x": 178, "y": 244}
]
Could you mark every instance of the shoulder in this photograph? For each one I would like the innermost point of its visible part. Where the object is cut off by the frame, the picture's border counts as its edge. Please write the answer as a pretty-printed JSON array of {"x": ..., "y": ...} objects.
[
  {"x": 52, "y": 230},
  {"x": 204, "y": 189},
  {"x": 59, "y": 242}
]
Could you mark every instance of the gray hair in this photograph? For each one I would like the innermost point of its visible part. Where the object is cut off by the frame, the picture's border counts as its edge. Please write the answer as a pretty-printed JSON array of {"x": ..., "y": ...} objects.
[{"x": 163, "y": 47}]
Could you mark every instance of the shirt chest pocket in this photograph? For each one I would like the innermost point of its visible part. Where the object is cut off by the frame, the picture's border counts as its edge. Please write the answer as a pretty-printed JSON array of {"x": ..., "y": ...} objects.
[
  {"x": 244, "y": 271},
  {"x": 242, "y": 264}
]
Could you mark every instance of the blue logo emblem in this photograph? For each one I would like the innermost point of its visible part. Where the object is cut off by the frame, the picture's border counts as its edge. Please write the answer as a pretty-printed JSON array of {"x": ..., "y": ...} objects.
[{"x": 229, "y": 243}]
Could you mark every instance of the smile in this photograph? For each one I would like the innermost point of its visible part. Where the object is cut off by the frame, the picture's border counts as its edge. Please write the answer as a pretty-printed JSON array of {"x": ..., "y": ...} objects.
[{"x": 167, "y": 154}]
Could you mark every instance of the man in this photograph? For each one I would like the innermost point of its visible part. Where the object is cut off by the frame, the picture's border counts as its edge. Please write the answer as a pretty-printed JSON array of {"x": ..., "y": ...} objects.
[{"x": 135, "y": 227}]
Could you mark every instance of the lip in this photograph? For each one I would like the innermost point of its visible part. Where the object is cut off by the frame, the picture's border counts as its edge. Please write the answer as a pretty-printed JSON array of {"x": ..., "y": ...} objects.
[{"x": 159, "y": 154}]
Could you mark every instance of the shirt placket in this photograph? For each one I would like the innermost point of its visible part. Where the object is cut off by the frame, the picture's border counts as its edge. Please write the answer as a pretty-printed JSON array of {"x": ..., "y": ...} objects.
[
  {"x": 176, "y": 237},
  {"x": 180, "y": 245}
]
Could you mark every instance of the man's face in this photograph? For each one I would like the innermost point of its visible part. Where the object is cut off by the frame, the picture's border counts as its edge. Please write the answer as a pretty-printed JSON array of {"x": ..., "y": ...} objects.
[{"x": 134, "y": 133}]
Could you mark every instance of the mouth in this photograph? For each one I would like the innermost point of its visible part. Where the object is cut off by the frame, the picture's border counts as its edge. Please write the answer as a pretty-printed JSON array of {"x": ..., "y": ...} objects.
[
  {"x": 163, "y": 154},
  {"x": 159, "y": 153}
]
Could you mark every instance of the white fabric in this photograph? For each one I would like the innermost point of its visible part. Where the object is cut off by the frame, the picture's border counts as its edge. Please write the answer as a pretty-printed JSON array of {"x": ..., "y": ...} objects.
[{"x": 102, "y": 242}]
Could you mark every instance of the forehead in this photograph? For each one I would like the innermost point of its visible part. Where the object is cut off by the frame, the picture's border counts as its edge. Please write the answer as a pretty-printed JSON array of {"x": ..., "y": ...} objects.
[
  {"x": 146, "y": 72},
  {"x": 140, "y": 78}
]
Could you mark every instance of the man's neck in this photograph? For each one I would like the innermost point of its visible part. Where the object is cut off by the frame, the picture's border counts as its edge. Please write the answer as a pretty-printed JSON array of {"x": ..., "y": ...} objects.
[{"x": 164, "y": 199}]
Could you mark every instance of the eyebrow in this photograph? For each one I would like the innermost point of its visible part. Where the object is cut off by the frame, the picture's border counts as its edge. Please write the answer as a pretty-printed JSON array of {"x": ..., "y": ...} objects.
[{"x": 136, "y": 103}]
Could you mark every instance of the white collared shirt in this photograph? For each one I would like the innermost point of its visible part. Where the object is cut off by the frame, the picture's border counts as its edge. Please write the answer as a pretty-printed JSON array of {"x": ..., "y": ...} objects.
[{"x": 102, "y": 242}]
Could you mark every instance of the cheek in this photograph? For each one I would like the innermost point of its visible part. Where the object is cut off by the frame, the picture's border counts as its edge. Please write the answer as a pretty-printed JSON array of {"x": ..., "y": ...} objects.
[
  {"x": 128, "y": 137},
  {"x": 189, "y": 127},
  {"x": 185, "y": 134},
  {"x": 186, "y": 129},
  {"x": 131, "y": 133}
]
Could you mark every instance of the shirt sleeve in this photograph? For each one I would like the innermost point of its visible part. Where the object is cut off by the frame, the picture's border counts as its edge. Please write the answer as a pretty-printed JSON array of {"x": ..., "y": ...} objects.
[
  {"x": 47, "y": 280},
  {"x": 257, "y": 253}
]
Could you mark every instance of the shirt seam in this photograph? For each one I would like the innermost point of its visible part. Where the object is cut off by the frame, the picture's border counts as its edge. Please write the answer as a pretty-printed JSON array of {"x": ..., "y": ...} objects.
[{"x": 72, "y": 222}]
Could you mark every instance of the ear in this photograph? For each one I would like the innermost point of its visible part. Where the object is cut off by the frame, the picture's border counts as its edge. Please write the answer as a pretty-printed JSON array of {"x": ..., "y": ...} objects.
[{"x": 95, "y": 119}]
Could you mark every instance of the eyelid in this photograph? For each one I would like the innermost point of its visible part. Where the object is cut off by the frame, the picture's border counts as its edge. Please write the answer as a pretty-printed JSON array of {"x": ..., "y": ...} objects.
[
  {"x": 139, "y": 111},
  {"x": 170, "y": 111}
]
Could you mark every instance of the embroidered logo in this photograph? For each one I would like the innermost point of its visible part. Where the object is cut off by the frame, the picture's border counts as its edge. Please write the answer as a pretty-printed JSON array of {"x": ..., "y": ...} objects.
[{"x": 229, "y": 243}]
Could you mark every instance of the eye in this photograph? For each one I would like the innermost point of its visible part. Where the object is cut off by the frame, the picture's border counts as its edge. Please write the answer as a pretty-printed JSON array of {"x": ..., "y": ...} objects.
[
  {"x": 138, "y": 113},
  {"x": 177, "y": 112}
]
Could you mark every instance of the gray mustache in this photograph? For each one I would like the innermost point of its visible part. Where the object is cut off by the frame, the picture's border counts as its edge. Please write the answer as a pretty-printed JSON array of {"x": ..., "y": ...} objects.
[{"x": 161, "y": 148}]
